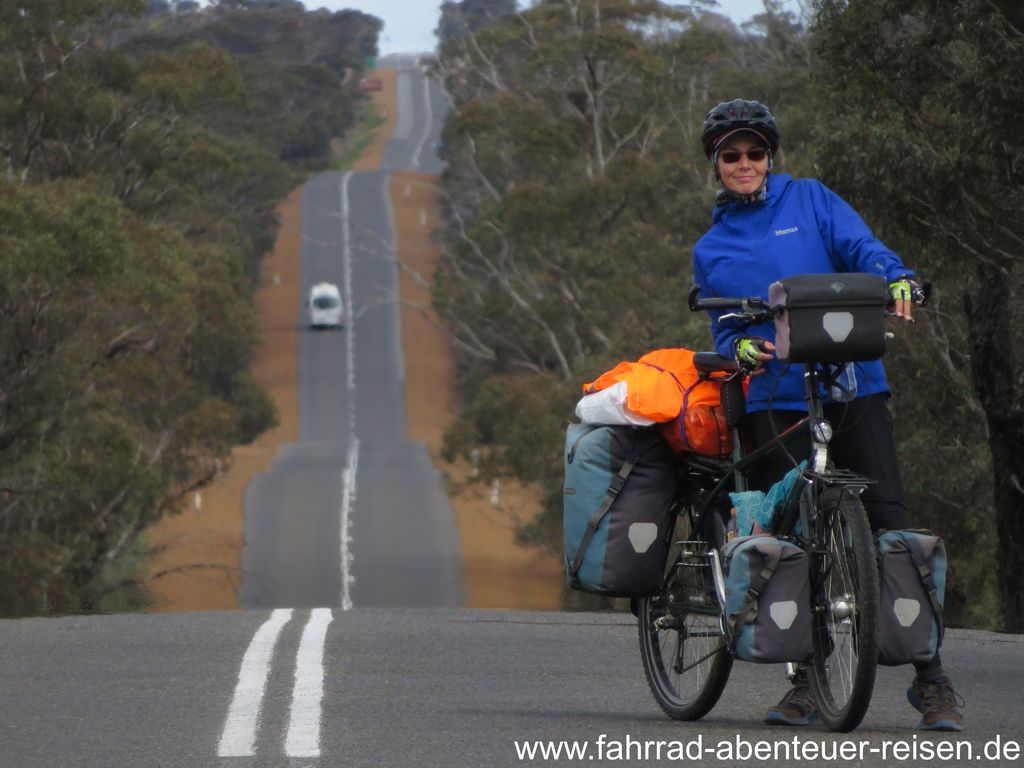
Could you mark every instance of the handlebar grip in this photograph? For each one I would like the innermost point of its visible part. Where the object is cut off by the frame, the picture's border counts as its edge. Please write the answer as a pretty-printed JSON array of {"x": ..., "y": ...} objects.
[{"x": 698, "y": 305}]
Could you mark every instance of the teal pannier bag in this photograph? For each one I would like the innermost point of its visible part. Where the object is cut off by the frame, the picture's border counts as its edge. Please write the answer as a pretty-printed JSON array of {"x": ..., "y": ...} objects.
[
  {"x": 768, "y": 600},
  {"x": 617, "y": 509},
  {"x": 912, "y": 579}
]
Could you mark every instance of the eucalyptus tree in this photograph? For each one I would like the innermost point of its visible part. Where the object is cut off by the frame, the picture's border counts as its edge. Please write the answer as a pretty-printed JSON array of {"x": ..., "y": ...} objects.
[{"x": 923, "y": 103}]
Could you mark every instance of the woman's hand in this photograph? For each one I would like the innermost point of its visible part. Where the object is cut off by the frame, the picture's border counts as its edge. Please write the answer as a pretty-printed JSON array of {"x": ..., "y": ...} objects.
[
  {"x": 902, "y": 293},
  {"x": 752, "y": 353}
]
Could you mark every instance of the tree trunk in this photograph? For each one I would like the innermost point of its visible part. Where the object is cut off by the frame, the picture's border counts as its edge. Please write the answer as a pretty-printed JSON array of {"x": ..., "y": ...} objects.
[{"x": 987, "y": 304}]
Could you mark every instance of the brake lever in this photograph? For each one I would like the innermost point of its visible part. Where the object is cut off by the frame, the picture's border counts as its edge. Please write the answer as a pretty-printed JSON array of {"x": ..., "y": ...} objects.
[{"x": 735, "y": 316}]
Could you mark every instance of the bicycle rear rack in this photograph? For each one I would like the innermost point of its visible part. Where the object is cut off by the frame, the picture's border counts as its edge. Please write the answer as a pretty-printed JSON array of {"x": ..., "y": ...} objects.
[{"x": 698, "y": 554}]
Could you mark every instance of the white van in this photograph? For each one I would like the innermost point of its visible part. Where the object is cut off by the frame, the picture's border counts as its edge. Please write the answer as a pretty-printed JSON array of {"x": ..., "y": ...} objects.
[{"x": 325, "y": 308}]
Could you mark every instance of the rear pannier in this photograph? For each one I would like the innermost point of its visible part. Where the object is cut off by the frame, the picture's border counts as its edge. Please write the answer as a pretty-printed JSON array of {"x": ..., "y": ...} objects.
[
  {"x": 767, "y": 599},
  {"x": 912, "y": 576},
  {"x": 617, "y": 509}
]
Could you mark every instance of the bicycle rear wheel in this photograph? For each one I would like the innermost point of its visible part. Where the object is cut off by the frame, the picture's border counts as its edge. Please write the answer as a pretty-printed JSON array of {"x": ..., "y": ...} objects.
[
  {"x": 845, "y": 601},
  {"x": 685, "y": 655}
]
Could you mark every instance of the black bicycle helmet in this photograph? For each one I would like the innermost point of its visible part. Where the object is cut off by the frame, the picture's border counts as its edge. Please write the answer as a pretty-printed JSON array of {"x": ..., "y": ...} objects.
[{"x": 736, "y": 114}]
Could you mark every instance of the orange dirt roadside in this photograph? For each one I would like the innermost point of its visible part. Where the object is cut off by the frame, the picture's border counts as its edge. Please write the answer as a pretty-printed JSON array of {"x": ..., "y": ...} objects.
[
  {"x": 200, "y": 550},
  {"x": 499, "y": 572},
  {"x": 199, "y": 564}
]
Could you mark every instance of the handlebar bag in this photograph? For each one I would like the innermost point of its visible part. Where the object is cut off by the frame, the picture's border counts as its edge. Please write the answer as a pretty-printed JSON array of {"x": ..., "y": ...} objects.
[
  {"x": 912, "y": 576},
  {"x": 831, "y": 318},
  {"x": 768, "y": 600},
  {"x": 617, "y": 509}
]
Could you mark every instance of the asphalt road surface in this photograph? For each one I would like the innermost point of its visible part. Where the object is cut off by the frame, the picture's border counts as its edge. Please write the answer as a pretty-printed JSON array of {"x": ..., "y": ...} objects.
[
  {"x": 354, "y": 514},
  {"x": 451, "y": 688}
]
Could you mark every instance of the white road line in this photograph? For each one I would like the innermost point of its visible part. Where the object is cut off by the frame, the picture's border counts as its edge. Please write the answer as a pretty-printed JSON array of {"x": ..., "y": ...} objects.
[
  {"x": 239, "y": 736},
  {"x": 348, "y": 477},
  {"x": 348, "y": 497},
  {"x": 303, "y": 739},
  {"x": 392, "y": 246},
  {"x": 429, "y": 118},
  {"x": 346, "y": 260}
]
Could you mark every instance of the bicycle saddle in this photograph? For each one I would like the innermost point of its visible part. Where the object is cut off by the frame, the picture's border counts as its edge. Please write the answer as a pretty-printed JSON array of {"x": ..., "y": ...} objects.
[{"x": 712, "y": 362}]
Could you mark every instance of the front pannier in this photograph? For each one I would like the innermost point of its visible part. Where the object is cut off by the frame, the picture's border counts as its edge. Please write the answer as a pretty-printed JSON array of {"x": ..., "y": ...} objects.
[
  {"x": 912, "y": 577},
  {"x": 617, "y": 509},
  {"x": 768, "y": 600},
  {"x": 831, "y": 318}
]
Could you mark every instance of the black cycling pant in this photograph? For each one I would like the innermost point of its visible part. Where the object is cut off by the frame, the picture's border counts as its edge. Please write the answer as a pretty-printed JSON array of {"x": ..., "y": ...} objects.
[{"x": 862, "y": 442}]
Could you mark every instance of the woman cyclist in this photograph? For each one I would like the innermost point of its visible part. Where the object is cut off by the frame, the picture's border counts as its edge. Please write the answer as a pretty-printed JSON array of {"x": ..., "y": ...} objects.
[{"x": 767, "y": 226}]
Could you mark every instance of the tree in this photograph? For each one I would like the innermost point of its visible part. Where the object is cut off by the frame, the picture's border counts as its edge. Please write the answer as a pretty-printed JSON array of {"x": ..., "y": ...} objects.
[
  {"x": 459, "y": 19},
  {"x": 575, "y": 187},
  {"x": 923, "y": 104},
  {"x": 137, "y": 204}
]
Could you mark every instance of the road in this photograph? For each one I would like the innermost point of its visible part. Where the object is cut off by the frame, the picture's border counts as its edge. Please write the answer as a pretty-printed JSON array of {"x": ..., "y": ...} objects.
[
  {"x": 452, "y": 688},
  {"x": 354, "y": 513}
]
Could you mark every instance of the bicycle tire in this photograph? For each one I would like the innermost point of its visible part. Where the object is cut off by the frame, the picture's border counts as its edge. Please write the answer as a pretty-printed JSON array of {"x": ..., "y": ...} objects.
[
  {"x": 685, "y": 655},
  {"x": 845, "y": 622}
]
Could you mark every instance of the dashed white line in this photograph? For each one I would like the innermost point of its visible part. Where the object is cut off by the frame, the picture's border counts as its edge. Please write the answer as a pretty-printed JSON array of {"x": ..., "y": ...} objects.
[
  {"x": 346, "y": 261},
  {"x": 426, "y": 123},
  {"x": 348, "y": 477},
  {"x": 239, "y": 736},
  {"x": 303, "y": 739},
  {"x": 348, "y": 497}
]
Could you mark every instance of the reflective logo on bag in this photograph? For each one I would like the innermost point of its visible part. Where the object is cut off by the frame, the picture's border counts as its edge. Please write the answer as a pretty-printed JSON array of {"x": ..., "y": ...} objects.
[
  {"x": 783, "y": 613},
  {"x": 907, "y": 610},
  {"x": 837, "y": 325},
  {"x": 642, "y": 535}
]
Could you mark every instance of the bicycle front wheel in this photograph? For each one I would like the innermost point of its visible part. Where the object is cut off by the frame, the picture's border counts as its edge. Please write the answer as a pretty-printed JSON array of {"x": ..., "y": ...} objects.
[
  {"x": 845, "y": 601},
  {"x": 685, "y": 654}
]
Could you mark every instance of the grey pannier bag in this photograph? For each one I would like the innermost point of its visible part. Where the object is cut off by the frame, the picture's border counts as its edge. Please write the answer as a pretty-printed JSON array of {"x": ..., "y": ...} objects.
[
  {"x": 617, "y": 509},
  {"x": 912, "y": 577},
  {"x": 768, "y": 599}
]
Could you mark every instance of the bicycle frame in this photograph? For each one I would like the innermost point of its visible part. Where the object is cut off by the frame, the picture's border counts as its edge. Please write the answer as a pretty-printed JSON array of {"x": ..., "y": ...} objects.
[{"x": 822, "y": 515}]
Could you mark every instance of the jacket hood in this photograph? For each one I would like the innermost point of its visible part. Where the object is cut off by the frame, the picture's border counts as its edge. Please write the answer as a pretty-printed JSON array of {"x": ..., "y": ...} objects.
[{"x": 777, "y": 183}]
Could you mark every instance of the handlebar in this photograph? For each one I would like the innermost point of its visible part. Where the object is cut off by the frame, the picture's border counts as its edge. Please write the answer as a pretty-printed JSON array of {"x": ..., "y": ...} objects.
[{"x": 753, "y": 309}]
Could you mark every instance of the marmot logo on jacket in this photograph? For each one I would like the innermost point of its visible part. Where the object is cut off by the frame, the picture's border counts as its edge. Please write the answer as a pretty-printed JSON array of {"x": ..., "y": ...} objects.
[{"x": 790, "y": 231}]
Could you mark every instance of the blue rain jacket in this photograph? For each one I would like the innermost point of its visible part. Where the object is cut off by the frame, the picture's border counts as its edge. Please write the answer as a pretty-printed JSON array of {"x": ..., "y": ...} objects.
[{"x": 801, "y": 227}]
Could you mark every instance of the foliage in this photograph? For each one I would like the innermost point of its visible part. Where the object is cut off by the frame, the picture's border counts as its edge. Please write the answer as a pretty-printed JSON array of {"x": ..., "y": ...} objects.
[
  {"x": 138, "y": 198},
  {"x": 459, "y": 19},
  {"x": 934, "y": 154},
  {"x": 575, "y": 187}
]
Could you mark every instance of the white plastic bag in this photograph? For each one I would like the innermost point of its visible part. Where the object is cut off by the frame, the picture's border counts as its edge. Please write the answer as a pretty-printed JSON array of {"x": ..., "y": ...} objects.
[{"x": 609, "y": 407}]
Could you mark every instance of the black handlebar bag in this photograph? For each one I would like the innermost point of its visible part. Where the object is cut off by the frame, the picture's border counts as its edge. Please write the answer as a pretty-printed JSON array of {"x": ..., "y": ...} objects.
[{"x": 831, "y": 318}]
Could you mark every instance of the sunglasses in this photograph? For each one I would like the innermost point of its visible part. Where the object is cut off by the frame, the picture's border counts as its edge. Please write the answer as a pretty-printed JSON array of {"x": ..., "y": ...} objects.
[{"x": 731, "y": 156}]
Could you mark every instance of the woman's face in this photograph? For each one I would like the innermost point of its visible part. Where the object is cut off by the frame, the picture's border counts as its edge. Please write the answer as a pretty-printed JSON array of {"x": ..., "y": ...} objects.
[{"x": 744, "y": 176}]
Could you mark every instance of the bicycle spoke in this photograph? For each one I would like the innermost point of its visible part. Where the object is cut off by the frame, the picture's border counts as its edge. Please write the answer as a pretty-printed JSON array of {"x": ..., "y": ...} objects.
[
  {"x": 846, "y": 639},
  {"x": 681, "y": 640}
]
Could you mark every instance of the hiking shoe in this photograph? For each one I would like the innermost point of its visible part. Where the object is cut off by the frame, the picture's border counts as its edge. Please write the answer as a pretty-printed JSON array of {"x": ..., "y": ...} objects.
[
  {"x": 940, "y": 706},
  {"x": 798, "y": 707}
]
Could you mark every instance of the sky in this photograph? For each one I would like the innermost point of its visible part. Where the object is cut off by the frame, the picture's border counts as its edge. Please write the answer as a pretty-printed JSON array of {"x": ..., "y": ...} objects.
[{"x": 409, "y": 24}]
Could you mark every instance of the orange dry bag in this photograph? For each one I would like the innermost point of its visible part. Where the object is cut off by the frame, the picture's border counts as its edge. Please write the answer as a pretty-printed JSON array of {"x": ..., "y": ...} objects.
[{"x": 665, "y": 386}]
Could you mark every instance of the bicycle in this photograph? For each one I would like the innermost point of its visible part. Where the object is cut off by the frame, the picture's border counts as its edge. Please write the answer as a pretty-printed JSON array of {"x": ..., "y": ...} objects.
[{"x": 683, "y": 629}]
